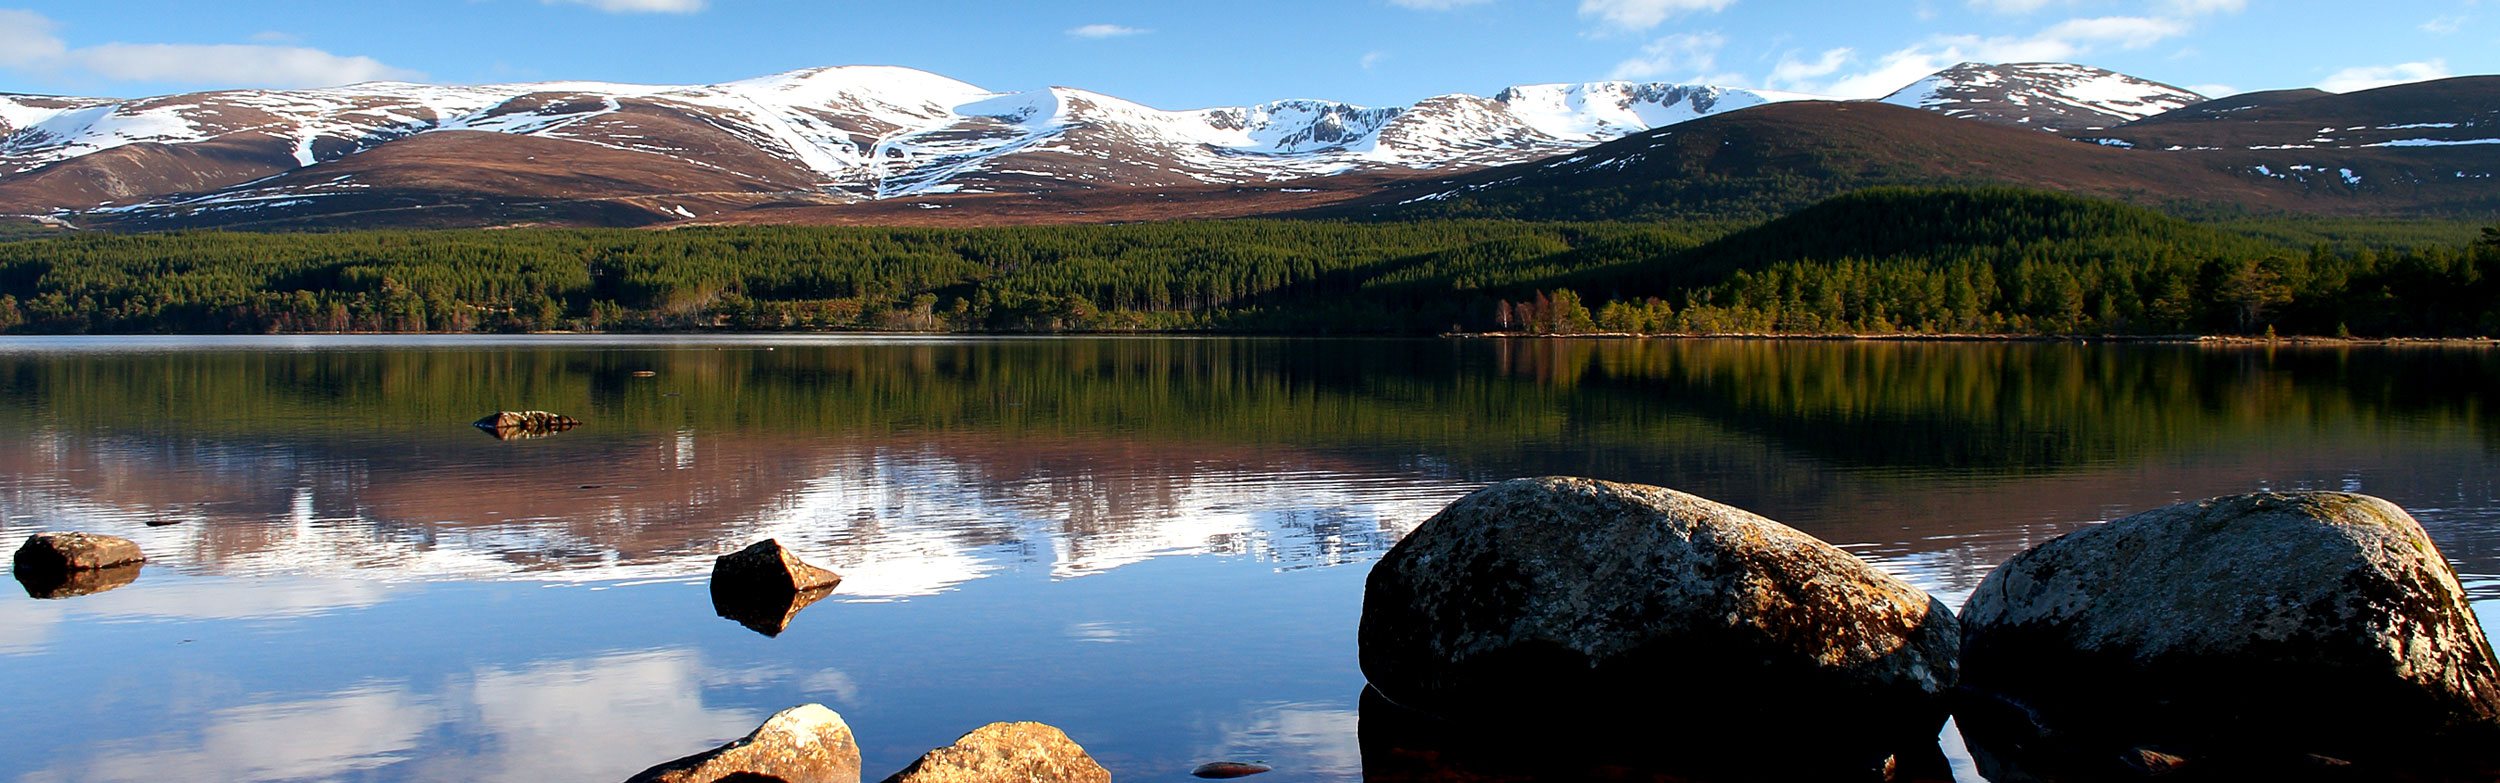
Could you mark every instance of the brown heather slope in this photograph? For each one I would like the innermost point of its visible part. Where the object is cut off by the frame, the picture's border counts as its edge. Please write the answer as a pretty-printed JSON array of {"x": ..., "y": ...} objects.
[
  {"x": 471, "y": 178},
  {"x": 1771, "y": 160}
]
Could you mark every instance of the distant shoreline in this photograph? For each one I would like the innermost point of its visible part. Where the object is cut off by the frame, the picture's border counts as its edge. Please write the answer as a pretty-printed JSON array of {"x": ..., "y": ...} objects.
[{"x": 2176, "y": 339}]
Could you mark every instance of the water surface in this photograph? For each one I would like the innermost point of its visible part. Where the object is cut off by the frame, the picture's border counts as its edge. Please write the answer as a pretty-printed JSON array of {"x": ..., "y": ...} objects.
[{"x": 1155, "y": 544}]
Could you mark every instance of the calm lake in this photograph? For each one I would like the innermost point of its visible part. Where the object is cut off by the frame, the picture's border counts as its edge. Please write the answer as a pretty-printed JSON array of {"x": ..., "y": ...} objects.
[{"x": 1158, "y": 545}]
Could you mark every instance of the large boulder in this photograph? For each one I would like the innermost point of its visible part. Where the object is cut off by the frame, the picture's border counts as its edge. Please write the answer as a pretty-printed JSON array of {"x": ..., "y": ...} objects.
[
  {"x": 1005, "y": 752},
  {"x": 1590, "y": 608},
  {"x": 54, "y": 554},
  {"x": 2280, "y": 625},
  {"x": 803, "y": 744}
]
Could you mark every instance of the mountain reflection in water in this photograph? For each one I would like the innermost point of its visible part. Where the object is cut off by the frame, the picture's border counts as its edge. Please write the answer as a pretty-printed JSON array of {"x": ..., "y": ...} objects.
[{"x": 1157, "y": 544}]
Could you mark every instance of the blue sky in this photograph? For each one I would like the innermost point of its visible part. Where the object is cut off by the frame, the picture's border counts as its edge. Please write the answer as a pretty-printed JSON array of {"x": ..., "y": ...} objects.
[{"x": 1191, "y": 53}]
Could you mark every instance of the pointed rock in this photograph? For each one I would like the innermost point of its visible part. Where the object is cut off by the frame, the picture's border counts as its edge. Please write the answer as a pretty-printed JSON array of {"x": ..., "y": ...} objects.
[
  {"x": 803, "y": 744},
  {"x": 768, "y": 568},
  {"x": 1002, "y": 752}
]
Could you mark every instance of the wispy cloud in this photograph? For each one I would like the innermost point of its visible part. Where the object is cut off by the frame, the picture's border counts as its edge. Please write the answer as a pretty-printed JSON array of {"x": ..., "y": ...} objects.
[
  {"x": 1436, "y": 5},
  {"x": 1683, "y": 55},
  {"x": 29, "y": 42},
  {"x": 1106, "y": 31},
  {"x": 638, "y": 6},
  {"x": 2371, "y": 77},
  {"x": 2444, "y": 25},
  {"x": 1641, "y": 15},
  {"x": 1374, "y": 59}
]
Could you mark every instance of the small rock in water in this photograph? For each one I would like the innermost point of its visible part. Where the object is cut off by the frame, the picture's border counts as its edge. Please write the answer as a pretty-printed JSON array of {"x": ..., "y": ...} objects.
[
  {"x": 803, "y": 744},
  {"x": 514, "y": 425},
  {"x": 1225, "y": 770},
  {"x": 645, "y": 374},
  {"x": 46, "y": 554},
  {"x": 2151, "y": 763},
  {"x": 1019, "y": 752},
  {"x": 764, "y": 586}
]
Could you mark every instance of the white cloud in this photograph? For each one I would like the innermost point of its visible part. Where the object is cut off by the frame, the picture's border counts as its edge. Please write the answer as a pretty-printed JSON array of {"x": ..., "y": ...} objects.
[
  {"x": 28, "y": 42},
  {"x": 2202, "y": 7},
  {"x": 2376, "y": 76},
  {"x": 1792, "y": 72},
  {"x": 2444, "y": 25},
  {"x": 1374, "y": 59},
  {"x": 2015, "y": 6},
  {"x": 26, "y": 38},
  {"x": 1694, "y": 54},
  {"x": 637, "y": 6},
  {"x": 231, "y": 64},
  {"x": 2126, "y": 32},
  {"x": 1436, "y": 5},
  {"x": 2214, "y": 90},
  {"x": 1106, "y": 31},
  {"x": 1638, "y": 15}
]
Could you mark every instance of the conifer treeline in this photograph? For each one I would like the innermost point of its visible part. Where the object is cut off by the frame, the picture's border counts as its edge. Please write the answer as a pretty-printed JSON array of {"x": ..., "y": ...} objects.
[{"x": 1979, "y": 261}]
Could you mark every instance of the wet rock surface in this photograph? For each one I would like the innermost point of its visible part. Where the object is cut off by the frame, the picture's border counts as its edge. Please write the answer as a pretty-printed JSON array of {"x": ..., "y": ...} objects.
[
  {"x": 1020, "y": 752},
  {"x": 1589, "y": 608},
  {"x": 2246, "y": 632},
  {"x": 53, "y": 555},
  {"x": 72, "y": 584},
  {"x": 804, "y": 744}
]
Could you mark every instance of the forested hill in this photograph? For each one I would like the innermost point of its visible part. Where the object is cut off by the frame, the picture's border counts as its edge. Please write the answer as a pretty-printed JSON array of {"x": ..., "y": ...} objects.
[{"x": 1886, "y": 260}]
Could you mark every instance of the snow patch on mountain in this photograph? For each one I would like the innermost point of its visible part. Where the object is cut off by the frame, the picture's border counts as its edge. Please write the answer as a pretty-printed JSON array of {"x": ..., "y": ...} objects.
[{"x": 2049, "y": 96}]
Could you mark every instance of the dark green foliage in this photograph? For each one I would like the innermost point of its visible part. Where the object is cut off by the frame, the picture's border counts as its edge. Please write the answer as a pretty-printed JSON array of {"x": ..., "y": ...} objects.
[{"x": 1884, "y": 260}]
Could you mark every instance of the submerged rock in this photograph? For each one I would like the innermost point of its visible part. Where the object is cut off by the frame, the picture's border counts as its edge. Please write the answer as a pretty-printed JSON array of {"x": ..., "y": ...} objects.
[
  {"x": 52, "y": 554},
  {"x": 1227, "y": 770},
  {"x": 1594, "y": 608},
  {"x": 2258, "y": 627},
  {"x": 1020, "y": 752},
  {"x": 72, "y": 584},
  {"x": 804, "y": 744},
  {"x": 512, "y": 425}
]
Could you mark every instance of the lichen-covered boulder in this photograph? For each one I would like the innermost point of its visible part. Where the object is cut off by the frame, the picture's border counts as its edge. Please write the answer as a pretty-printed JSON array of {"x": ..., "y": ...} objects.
[
  {"x": 803, "y": 744},
  {"x": 2293, "y": 623},
  {"x": 1586, "y": 607},
  {"x": 50, "y": 555},
  {"x": 1001, "y": 752}
]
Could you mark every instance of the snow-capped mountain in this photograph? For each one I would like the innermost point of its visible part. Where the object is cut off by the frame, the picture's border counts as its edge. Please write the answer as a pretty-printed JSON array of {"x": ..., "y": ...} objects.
[
  {"x": 851, "y": 132},
  {"x": 2055, "y": 97}
]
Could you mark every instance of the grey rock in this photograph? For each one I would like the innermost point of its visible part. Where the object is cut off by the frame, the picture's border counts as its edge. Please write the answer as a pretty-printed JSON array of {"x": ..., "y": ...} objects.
[
  {"x": 1005, "y": 753},
  {"x": 2282, "y": 623},
  {"x": 1586, "y": 606},
  {"x": 803, "y": 744}
]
